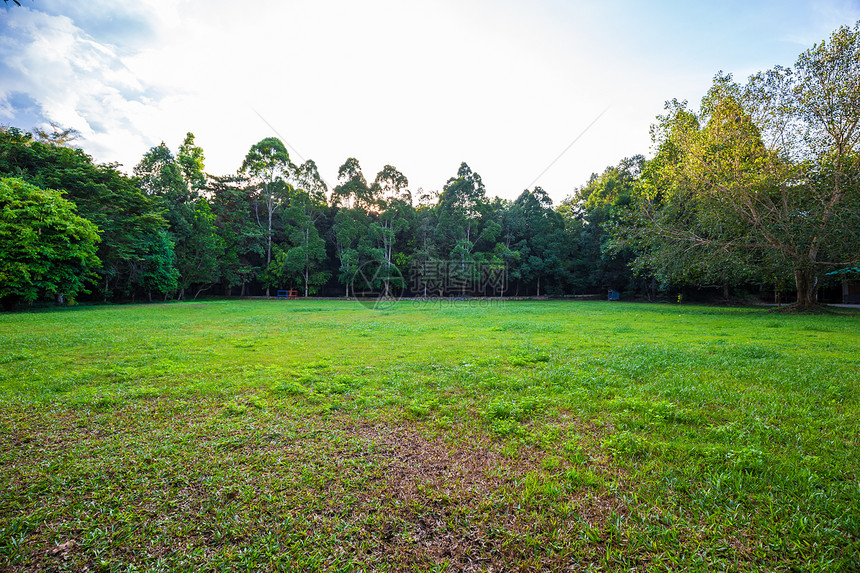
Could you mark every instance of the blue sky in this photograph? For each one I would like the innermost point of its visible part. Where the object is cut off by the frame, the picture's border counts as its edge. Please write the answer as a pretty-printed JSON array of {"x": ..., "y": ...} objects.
[{"x": 504, "y": 86}]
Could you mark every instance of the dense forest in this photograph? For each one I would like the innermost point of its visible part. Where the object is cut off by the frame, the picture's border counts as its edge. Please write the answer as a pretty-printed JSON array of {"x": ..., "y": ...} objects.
[{"x": 756, "y": 191}]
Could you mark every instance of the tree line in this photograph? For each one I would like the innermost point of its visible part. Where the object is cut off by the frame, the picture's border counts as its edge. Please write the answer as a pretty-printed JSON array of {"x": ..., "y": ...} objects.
[{"x": 758, "y": 187}]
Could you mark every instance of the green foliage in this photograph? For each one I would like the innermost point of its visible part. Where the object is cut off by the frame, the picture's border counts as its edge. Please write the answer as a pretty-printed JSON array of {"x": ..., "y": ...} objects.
[
  {"x": 45, "y": 248},
  {"x": 159, "y": 175},
  {"x": 350, "y": 235},
  {"x": 131, "y": 226},
  {"x": 301, "y": 260},
  {"x": 534, "y": 233},
  {"x": 190, "y": 160},
  {"x": 589, "y": 217},
  {"x": 352, "y": 190},
  {"x": 155, "y": 269},
  {"x": 762, "y": 181},
  {"x": 759, "y": 186},
  {"x": 199, "y": 256},
  {"x": 242, "y": 240},
  {"x": 268, "y": 166},
  {"x": 175, "y": 183}
]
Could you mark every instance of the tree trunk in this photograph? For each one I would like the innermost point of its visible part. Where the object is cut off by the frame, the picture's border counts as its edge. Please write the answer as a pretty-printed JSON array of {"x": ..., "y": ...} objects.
[
  {"x": 807, "y": 288},
  {"x": 201, "y": 289},
  {"x": 538, "y": 286},
  {"x": 270, "y": 207}
]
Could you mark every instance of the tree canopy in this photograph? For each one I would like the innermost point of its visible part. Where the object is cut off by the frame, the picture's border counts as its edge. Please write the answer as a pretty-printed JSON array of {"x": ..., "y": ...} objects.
[
  {"x": 46, "y": 249},
  {"x": 756, "y": 187},
  {"x": 762, "y": 180}
]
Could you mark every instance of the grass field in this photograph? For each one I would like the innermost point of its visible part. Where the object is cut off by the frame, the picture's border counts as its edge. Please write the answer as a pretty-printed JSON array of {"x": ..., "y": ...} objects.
[{"x": 319, "y": 435}]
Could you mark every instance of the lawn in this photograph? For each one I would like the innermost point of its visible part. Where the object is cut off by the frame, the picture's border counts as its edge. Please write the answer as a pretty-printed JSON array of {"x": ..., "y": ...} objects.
[{"x": 320, "y": 435}]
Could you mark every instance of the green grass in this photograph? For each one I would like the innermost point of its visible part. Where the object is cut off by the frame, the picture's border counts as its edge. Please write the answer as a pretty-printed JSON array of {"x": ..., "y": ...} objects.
[{"x": 315, "y": 435}]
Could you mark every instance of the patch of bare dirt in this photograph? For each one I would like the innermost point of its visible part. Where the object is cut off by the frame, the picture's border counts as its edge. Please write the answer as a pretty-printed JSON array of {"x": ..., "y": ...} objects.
[
  {"x": 461, "y": 504},
  {"x": 427, "y": 497}
]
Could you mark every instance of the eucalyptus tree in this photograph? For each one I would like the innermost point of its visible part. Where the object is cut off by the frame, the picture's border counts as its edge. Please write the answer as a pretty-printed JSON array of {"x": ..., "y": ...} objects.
[
  {"x": 393, "y": 203},
  {"x": 351, "y": 200},
  {"x": 304, "y": 256},
  {"x": 350, "y": 233},
  {"x": 268, "y": 167},
  {"x": 589, "y": 215},
  {"x": 541, "y": 243},
  {"x": 243, "y": 241},
  {"x": 177, "y": 182},
  {"x": 464, "y": 220},
  {"x": 352, "y": 190},
  {"x": 423, "y": 248}
]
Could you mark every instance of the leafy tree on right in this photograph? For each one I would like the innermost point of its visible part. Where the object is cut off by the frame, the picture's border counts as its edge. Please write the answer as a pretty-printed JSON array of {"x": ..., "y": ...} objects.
[{"x": 762, "y": 182}]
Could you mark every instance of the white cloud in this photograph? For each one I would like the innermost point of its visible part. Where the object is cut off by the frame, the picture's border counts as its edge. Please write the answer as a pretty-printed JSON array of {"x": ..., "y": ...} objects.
[{"x": 73, "y": 78}]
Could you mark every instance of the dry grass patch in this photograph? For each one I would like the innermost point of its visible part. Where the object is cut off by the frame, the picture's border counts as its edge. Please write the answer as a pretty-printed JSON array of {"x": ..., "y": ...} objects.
[{"x": 183, "y": 484}]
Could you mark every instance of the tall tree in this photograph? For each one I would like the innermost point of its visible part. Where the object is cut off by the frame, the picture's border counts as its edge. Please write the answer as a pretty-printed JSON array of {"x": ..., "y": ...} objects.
[
  {"x": 268, "y": 166},
  {"x": 176, "y": 183},
  {"x": 304, "y": 256},
  {"x": 595, "y": 265},
  {"x": 201, "y": 253},
  {"x": 423, "y": 249},
  {"x": 763, "y": 179},
  {"x": 243, "y": 241},
  {"x": 393, "y": 203},
  {"x": 349, "y": 232},
  {"x": 352, "y": 189},
  {"x": 155, "y": 270},
  {"x": 541, "y": 237},
  {"x": 160, "y": 176},
  {"x": 190, "y": 160},
  {"x": 464, "y": 221},
  {"x": 350, "y": 198}
]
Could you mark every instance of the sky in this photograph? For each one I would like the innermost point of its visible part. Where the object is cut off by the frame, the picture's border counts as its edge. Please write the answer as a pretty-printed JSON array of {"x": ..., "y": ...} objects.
[{"x": 526, "y": 92}]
